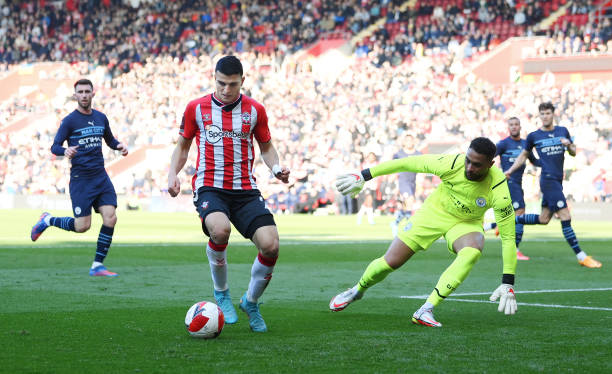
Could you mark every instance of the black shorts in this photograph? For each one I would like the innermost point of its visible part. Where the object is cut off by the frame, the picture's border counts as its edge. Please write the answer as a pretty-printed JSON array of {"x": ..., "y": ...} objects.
[
  {"x": 246, "y": 209},
  {"x": 91, "y": 191},
  {"x": 552, "y": 194}
]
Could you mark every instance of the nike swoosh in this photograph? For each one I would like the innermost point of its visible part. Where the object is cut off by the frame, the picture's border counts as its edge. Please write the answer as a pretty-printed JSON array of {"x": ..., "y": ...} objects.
[{"x": 339, "y": 305}]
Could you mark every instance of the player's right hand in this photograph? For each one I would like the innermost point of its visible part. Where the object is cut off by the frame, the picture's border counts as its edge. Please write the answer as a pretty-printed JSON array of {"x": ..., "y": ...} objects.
[
  {"x": 507, "y": 299},
  {"x": 70, "y": 152},
  {"x": 350, "y": 183},
  {"x": 174, "y": 185}
]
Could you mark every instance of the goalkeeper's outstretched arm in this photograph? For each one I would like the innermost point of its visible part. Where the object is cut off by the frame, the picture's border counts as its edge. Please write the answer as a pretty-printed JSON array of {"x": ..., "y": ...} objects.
[{"x": 352, "y": 183}]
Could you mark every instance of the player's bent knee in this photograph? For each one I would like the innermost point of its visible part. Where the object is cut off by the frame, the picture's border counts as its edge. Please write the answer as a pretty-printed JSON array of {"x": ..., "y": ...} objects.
[
  {"x": 109, "y": 221},
  {"x": 220, "y": 235},
  {"x": 269, "y": 248}
]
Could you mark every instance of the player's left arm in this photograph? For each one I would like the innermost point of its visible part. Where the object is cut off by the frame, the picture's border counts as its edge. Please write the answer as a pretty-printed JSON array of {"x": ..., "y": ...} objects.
[
  {"x": 568, "y": 144},
  {"x": 271, "y": 159},
  {"x": 111, "y": 141},
  {"x": 504, "y": 216},
  {"x": 520, "y": 160},
  {"x": 268, "y": 152}
]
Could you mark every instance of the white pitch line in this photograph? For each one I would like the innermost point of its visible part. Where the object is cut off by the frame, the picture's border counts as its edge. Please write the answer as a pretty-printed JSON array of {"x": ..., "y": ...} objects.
[
  {"x": 452, "y": 298},
  {"x": 537, "y": 304},
  {"x": 519, "y": 292}
]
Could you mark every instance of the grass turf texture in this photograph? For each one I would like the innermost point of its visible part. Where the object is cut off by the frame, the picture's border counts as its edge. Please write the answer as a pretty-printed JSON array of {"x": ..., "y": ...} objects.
[{"x": 57, "y": 319}]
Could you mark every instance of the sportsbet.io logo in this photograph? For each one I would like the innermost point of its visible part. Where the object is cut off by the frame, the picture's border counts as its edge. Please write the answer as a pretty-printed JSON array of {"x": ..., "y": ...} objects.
[{"x": 214, "y": 134}]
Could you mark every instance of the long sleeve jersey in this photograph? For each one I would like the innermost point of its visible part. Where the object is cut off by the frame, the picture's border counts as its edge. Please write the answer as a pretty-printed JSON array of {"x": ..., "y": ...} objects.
[
  {"x": 463, "y": 198},
  {"x": 86, "y": 131}
]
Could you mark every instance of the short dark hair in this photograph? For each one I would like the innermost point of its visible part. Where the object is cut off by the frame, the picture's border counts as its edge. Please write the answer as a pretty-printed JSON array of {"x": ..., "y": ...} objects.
[
  {"x": 84, "y": 81},
  {"x": 229, "y": 65},
  {"x": 484, "y": 146},
  {"x": 546, "y": 106},
  {"x": 516, "y": 118}
]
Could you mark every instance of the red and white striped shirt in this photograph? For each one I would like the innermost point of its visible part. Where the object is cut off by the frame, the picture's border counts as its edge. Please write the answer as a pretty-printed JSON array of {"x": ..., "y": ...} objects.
[{"x": 224, "y": 137}]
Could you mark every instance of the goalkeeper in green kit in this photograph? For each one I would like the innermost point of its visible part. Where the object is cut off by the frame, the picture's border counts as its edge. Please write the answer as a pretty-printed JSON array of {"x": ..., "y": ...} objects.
[{"x": 470, "y": 185}]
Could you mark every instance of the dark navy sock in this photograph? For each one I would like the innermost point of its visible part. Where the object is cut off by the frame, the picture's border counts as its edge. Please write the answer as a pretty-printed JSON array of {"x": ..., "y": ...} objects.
[
  {"x": 519, "y": 234},
  {"x": 64, "y": 223},
  {"x": 570, "y": 236},
  {"x": 104, "y": 241},
  {"x": 528, "y": 219}
]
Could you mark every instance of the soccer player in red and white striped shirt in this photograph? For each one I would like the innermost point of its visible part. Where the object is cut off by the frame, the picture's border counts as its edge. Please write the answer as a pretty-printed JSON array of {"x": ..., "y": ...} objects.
[{"x": 224, "y": 124}]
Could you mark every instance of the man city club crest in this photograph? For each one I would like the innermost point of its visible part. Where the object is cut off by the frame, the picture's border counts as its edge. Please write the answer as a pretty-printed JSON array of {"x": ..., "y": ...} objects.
[
  {"x": 481, "y": 202},
  {"x": 246, "y": 117}
]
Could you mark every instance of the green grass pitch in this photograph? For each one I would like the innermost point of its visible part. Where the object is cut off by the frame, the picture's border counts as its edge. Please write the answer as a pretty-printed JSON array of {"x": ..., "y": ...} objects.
[{"x": 54, "y": 318}]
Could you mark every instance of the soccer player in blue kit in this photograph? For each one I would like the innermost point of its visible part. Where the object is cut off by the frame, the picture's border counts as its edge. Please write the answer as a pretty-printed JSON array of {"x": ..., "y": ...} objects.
[
  {"x": 508, "y": 150},
  {"x": 551, "y": 142},
  {"x": 90, "y": 185}
]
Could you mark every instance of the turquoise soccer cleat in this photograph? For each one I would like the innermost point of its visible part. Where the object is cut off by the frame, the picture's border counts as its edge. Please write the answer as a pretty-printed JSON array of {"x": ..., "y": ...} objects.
[
  {"x": 256, "y": 321},
  {"x": 224, "y": 301}
]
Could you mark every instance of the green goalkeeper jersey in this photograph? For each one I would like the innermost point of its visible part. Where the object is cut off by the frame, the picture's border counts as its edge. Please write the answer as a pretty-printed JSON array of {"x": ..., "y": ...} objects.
[{"x": 463, "y": 198}]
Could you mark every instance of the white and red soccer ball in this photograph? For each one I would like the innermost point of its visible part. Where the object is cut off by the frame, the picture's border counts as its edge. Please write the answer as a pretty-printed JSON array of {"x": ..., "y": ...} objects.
[{"x": 204, "y": 320}]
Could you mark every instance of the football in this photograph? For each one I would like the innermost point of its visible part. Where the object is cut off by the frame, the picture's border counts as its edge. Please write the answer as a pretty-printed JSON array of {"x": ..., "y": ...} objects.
[{"x": 204, "y": 320}]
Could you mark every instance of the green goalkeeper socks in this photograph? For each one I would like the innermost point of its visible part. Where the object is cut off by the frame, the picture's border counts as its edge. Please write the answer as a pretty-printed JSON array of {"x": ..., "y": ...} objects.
[
  {"x": 374, "y": 273},
  {"x": 454, "y": 274}
]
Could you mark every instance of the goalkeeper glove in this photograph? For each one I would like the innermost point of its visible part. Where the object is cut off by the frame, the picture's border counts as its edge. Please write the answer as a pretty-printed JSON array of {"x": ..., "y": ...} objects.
[
  {"x": 507, "y": 299},
  {"x": 350, "y": 183}
]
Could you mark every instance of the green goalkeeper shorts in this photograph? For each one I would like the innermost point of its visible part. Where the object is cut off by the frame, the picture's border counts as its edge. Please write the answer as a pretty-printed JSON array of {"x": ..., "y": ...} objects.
[{"x": 429, "y": 223}]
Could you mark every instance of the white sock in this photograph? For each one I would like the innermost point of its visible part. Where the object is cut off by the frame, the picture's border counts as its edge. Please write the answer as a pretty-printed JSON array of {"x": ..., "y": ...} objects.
[
  {"x": 218, "y": 267},
  {"x": 96, "y": 264},
  {"x": 47, "y": 220},
  {"x": 581, "y": 255},
  {"x": 260, "y": 277}
]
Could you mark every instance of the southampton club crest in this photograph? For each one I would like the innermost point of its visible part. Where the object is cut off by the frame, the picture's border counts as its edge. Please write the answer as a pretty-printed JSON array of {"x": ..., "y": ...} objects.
[
  {"x": 246, "y": 118},
  {"x": 204, "y": 205}
]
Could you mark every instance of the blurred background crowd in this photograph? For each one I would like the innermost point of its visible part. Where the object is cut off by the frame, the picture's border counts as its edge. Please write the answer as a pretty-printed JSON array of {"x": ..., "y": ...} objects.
[{"x": 398, "y": 88}]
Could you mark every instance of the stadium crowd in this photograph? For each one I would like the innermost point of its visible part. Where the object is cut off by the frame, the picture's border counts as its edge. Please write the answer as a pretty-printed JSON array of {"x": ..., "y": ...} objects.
[
  {"x": 120, "y": 34},
  {"x": 326, "y": 125}
]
